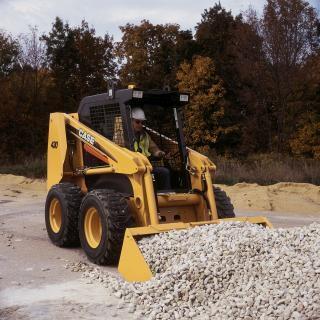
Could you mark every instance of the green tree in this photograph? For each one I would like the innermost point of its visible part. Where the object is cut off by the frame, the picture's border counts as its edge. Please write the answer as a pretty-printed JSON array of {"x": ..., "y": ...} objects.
[
  {"x": 289, "y": 29},
  {"x": 80, "y": 62},
  {"x": 215, "y": 37},
  {"x": 9, "y": 53},
  {"x": 253, "y": 91},
  {"x": 150, "y": 54}
]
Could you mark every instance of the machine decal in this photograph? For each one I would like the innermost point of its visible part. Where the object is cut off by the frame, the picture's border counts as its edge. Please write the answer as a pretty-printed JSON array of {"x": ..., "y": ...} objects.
[
  {"x": 54, "y": 144},
  {"x": 86, "y": 136}
]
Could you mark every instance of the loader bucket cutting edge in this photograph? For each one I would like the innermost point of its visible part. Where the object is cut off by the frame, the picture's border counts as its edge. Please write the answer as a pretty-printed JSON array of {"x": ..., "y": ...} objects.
[{"x": 132, "y": 265}]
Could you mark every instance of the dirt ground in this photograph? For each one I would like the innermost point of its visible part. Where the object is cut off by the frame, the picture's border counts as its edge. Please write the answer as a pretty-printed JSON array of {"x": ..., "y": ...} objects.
[{"x": 34, "y": 280}]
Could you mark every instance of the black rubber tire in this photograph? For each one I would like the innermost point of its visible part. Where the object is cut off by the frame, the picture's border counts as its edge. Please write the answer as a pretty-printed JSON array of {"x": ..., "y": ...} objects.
[
  {"x": 115, "y": 217},
  {"x": 69, "y": 197},
  {"x": 225, "y": 208}
]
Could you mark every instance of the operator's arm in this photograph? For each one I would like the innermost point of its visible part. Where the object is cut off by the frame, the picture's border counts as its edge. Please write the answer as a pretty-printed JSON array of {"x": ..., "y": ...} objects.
[{"x": 154, "y": 149}]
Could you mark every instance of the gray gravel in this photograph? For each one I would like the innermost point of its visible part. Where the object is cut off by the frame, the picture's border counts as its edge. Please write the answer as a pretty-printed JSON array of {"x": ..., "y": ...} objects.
[{"x": 225, "y": 271}]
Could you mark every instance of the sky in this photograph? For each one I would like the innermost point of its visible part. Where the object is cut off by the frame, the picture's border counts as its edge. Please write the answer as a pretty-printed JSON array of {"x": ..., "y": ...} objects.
[{"x": 106, "y": 16}]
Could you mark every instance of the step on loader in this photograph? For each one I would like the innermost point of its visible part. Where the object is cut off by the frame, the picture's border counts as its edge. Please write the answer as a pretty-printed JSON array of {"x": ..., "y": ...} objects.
[{"x": 104, "y": 194}]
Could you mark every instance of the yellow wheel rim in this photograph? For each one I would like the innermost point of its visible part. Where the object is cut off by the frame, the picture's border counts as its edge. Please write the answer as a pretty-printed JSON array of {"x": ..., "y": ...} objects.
[
  {"x": 92, "y": 227},
  {"x": 55, "y": 215}
]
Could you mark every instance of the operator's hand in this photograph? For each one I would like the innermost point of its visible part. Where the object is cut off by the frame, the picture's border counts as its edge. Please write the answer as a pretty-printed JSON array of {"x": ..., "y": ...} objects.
[
  {"x": 161, "y": 154},
  {"x": 167, "y": 156}
]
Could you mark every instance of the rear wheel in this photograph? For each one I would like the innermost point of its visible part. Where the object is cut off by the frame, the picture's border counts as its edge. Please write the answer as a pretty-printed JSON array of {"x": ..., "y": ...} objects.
[
  {"x": 225, "y": 208},
  {"x": 104, "y": 217},
  {"x": 61, "y": 214}
]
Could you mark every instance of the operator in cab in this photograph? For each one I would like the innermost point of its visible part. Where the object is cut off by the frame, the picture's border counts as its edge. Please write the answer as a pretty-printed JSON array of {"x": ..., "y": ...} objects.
[{"x": 145, "y": 145}]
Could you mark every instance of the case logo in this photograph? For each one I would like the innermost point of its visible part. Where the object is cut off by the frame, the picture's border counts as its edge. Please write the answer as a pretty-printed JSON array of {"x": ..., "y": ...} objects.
[{"x": 86, "y": 136}]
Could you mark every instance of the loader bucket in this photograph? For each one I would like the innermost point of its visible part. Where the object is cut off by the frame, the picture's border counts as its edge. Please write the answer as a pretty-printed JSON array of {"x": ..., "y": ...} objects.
[{"x": 132, "y": 265}]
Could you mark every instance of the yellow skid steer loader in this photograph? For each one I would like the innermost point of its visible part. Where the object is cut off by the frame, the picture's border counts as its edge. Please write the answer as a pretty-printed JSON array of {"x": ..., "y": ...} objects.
[{"x": 103, "y": 194}]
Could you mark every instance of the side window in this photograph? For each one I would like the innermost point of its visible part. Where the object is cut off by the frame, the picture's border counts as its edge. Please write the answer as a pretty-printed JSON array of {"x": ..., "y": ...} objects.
[{"x": 107, "y": 120}]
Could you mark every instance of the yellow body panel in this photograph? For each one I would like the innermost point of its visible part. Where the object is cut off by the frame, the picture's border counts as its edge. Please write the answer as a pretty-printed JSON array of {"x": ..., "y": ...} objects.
[
  {"x": 201, "y": 167},
  {"x": 57, "y": 148},
  {"x": 132, "y": 265},
  {"x": 153, "y": 213},
  {"x": 121, "y": 159}
]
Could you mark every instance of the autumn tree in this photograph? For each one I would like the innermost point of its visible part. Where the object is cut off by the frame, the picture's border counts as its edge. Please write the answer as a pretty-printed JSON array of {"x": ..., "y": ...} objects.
[
  {"x": 35, "y": 86},
  {"x": 305, "y": 140},
  {"x": 262, "y": 63},
  {"x": 23, "y": 103},
  {"x": 216, "y": 37},
  {"x": 150, "y": 54},
  {"x": 206, "y": 121}
]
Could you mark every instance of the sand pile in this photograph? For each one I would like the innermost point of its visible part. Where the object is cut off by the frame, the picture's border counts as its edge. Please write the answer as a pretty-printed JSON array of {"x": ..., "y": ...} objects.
[
  {"x": 11, "y": 181},
  {"x": 281, "y": 197}
]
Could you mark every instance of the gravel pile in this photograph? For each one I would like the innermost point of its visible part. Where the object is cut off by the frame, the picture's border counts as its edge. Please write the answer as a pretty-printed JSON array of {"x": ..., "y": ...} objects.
[{"x": 225, "y": 271}]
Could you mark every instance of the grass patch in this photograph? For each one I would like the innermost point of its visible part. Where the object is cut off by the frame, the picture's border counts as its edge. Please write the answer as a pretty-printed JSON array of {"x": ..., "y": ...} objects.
[
  {"x": 266, "y": 169},
  {"x": 31, "y": 168}
]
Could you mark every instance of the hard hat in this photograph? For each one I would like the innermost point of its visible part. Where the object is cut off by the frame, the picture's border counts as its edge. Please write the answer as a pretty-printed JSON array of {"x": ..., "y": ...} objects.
[{"x": 138, "y": 114}]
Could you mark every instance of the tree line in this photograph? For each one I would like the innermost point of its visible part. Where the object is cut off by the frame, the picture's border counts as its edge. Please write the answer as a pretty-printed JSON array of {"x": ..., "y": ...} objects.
[{"x": 254, "y": 80}]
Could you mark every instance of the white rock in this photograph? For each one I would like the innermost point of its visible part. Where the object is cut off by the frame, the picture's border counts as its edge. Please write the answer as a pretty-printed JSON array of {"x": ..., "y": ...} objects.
[{"x": 226, "y": 271}]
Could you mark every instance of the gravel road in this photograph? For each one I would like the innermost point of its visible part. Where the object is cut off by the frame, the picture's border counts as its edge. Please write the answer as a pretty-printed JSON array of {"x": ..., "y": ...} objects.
[{"x": 34, "y": 280}]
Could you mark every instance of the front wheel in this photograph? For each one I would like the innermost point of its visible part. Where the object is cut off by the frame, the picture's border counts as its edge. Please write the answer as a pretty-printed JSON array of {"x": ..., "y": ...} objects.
[
  {"x": 225, "y": 208},
  {"x": 104, "y": 217}
]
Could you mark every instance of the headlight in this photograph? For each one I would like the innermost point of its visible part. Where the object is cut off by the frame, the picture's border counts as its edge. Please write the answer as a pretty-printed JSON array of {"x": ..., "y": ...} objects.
[{"x": 184, "y": 98}]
